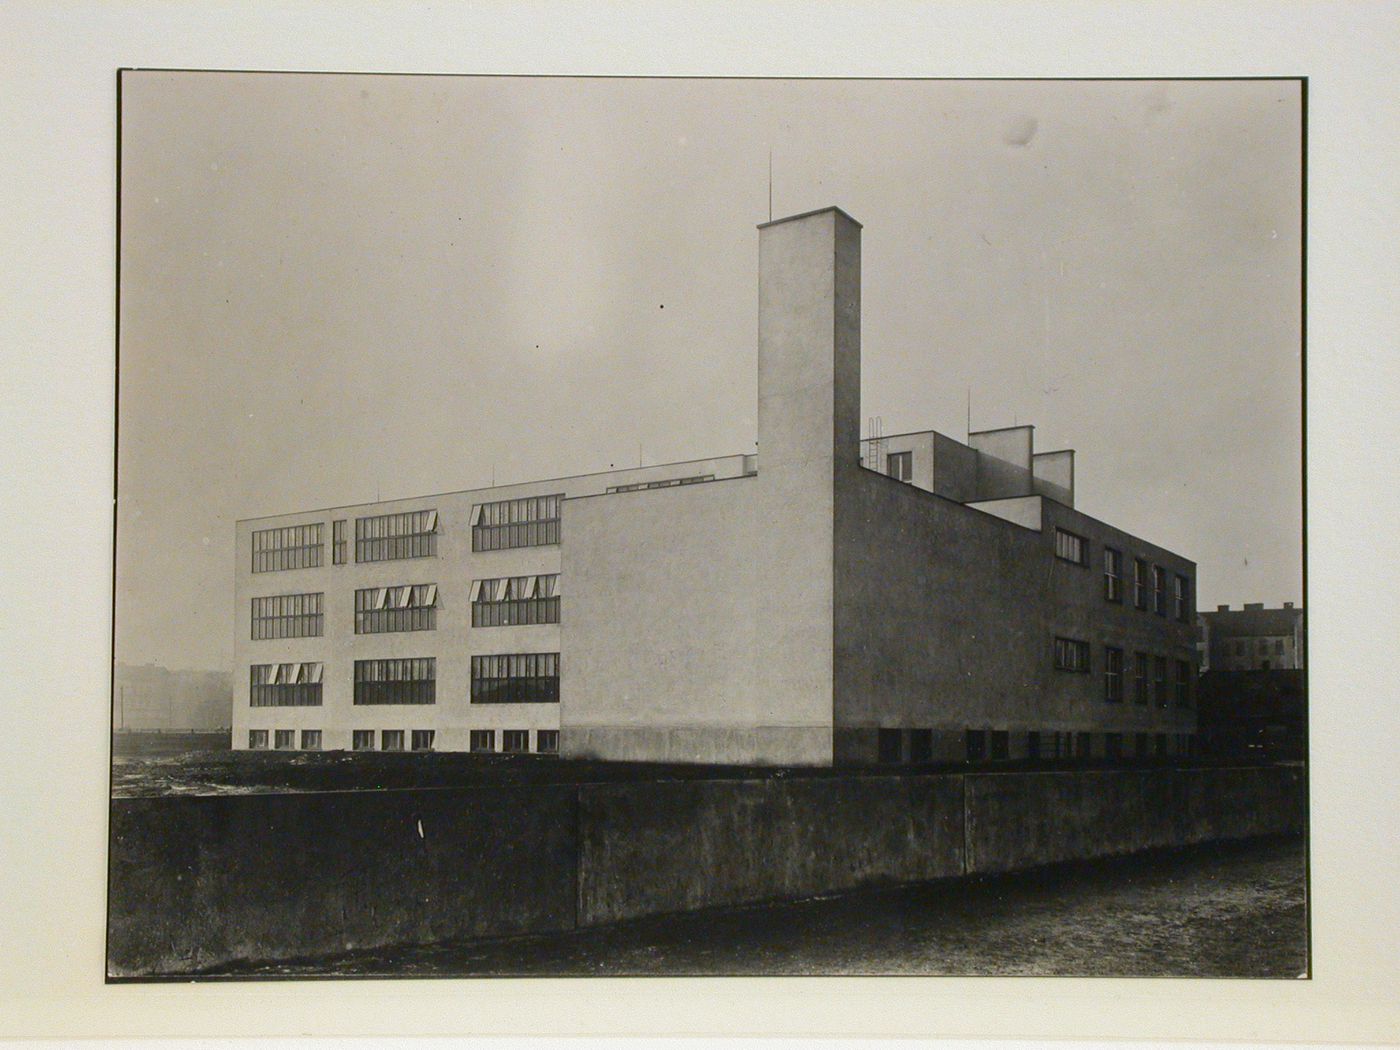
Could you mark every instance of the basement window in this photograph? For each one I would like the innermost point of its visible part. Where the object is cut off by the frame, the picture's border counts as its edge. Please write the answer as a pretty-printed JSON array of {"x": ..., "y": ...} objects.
[
  {"x": 257, "y": 739},
  {"x": 547, "y": 741},
  {"x": 889, "y": 745},
  {"x": 482, "y": 740}
]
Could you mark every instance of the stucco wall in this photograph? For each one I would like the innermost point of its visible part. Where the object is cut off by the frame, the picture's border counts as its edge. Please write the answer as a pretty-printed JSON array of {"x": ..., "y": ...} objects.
[{"x": 946, "y": 619}]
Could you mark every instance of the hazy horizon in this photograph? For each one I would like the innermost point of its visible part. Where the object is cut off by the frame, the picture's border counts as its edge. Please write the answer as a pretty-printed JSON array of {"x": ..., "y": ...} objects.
[{"x": 340, "y": 288}]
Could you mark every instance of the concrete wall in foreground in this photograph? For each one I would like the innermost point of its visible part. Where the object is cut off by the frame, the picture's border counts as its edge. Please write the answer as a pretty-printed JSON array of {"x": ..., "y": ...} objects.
[{"x": 197, "y": 882}]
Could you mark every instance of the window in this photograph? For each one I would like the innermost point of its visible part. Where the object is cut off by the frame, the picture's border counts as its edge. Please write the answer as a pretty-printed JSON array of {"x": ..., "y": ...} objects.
[
  {"x": 362, "y": 740},
  {"x": 292, "y": 547},
  {"x": 1141, "y": 663},
  {"x": 1263, "y": 647},
  {"x": 284, "y": 685},
  {"x": 888, "y": 745},
  {"x": 515, "y": 741},
  {"x": 408, "y": 681},
  {"x": 1112, "y": 674},
  {"x": 406, "y": 607},
  {"x": 483, "y": 740},
  {"x": 257, "y": 739},
  {"x": 1113, "y": 745},
  {"x": 1181, "y": 596},
  {"x": 338, "y": 542},
  {"x": 1070, "y": 547},
  {"x": 1278, "y": 647},
  {"x": 1160, "y": 680},
  {"x": 638, "y": 486},
  {"x": 529, "y": 522},
  {"x": 391, "y": 740},
  {"x": 1033, "y": 745},
  {"x": 1183, "y": 684},
  {"x": 422, "y": 739},
  {"x": 389, "y": 537},
  {"x": 976, "y": 745},
  {"x": 1140, "y": 583},
  {"x": 1071, "y": 655},
  {"x": 1141, "y": 746},
  {"x": 921, "y": 745},
  {"x": 287, "y": 616},
  {"x": 1001, "y": 743},
  {"x": 547, "y": 741},
  {"x": 311, "y": 740},
  {"x": 1083, "y": 745},
  {"x": 1159, "y": 590},
  {"x": 1161, "y": 739},
  {"x": 284, "y": 739},
  {"x": 900, "y": 465},
  {"x": 515, "y": 600},
  {"x": 1112, "y": 575},
  {"x": 516, "y": 678}
]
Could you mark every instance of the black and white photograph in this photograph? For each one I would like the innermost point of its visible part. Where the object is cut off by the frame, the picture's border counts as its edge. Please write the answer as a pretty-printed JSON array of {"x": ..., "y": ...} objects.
[
  {"x": 668, "y": 526},
  {"x": 756, "y": 523}
]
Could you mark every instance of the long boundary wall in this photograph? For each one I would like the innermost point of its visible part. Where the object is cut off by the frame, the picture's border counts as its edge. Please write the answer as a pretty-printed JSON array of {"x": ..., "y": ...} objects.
[{"x": 198, "y": 882}]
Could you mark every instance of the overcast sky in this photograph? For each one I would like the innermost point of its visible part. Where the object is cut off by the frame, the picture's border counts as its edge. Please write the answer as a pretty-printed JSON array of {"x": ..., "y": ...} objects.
[{"x": 341, "y": 288}]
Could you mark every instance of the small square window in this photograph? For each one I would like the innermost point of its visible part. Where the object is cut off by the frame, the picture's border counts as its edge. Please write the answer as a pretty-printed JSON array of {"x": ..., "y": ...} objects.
[
  {"x": 1001, "y": 744},
  {"x": 362, "y": 740},
  {"x": 391, "y": 740},
  {"x": 889, "y": 745},
  {"x": 1070, "y": 547},
  {"x": 547, "y": 741},
  {"x": 423, "y": 739},
  {"x": 257, "y": 739},
  {"x": 976, "y": 745},
  {"x": 285, "y": 739},
  {"x": 311, "y": 740},
  {"x": 483, "y": 740},
  {"x": 515, "y": 741},
  {"x": 921, "y": 745}
]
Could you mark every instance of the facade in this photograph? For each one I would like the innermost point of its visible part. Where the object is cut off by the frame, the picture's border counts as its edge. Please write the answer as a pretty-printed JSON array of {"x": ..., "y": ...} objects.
[
  {"x": 909, "y": 599},
  {"x": 1252, "y": 638}
]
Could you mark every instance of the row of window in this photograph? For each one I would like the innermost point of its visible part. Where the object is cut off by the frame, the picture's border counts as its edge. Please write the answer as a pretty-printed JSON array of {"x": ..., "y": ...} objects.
[
  {"x": 1149, "y": 581},
  {"x": 665, "y": 484},
  {"x": 532, "y": 521},
  {"x": 511, "y": 678},
  {"x": 995, "y": 744},
  {"x": 1150, "y": 673},
  {"x": 513, "y": 741},
  {"x": 410, "y": 607}
]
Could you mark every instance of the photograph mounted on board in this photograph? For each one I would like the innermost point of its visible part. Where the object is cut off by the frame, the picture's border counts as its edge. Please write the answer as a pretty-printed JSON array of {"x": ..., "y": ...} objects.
[{"x": 625, "y": 526}]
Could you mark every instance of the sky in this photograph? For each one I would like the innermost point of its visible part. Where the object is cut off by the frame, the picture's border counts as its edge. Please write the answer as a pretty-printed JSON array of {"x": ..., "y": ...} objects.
[{"x": 336, "y": 289}]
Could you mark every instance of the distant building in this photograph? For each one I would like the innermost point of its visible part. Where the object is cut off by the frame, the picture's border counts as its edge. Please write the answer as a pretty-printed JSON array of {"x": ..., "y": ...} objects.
[
  {"x": 939, "y": 600},
  {"x": 1253, "y": 692},
  {"x": 145, "y": 696},
  {"x": 1252, "y": 638}
]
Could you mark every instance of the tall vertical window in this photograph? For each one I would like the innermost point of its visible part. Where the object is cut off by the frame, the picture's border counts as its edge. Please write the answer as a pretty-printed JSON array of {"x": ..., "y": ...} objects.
[
  {"x": 529, "y": 522},
  {"x": 1070, "y": 547},
  {"x": 406, "y": 681},
  {"x": 284, "y": 685},
  {"x": 407, "y": 607},
  {"x": 1159, "y": 680},
  {"x": 900, "y": 465},
  {"x": 1112, "y": 674},
  {"x": 1183, "y": 684},
  {"x": 1141, "y": 673},
  {"x": 389, "y": 537},
  {"x": 1159, "y": 590},
  {"x": 1182, "y": 598},
  {"x": 287, "y": 616},
  {"x": 339, "y": 544},
  {"x": 515, "y": 600},
  {"x": 1071, "y": 655},
  {"x": 516, "y": 678},
  {"x": 292, "y": 547},
  {"x": 1140, "y": 583},
  {"x": 1112, "y": 575}
]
